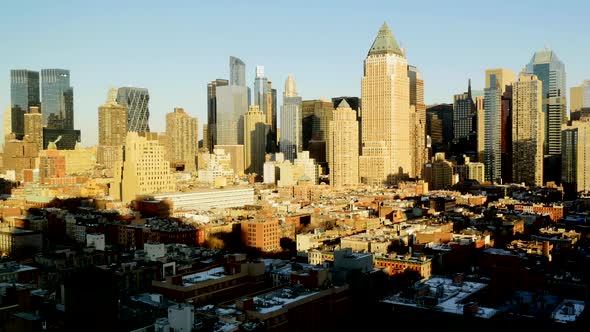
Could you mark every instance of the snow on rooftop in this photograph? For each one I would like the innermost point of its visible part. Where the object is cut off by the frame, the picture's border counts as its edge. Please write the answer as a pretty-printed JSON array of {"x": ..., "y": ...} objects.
[
  {"x": 452, "y": 298},
  {"x": 276, "y": 300},
  {"x": 211, "y": 274}
]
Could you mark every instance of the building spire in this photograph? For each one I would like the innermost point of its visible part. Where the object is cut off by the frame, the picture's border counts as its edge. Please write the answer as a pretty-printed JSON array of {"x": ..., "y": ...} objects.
[
  {"x": 385, "y": 43},
  {"x": 290, "y": 88}
]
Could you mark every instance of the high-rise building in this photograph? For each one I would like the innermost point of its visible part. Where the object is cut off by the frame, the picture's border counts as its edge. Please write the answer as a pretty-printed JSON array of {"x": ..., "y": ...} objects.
[
  {"x": 506, "y": 134},
  {"x": 343, "y": 137},
  {"x": 471, "y": 171},
  {"x": 496, "y": 82},
  {"x": 24, "y": 93},
  {"x": 291, "y": 123},
  {"x": 354, "y": 103},
  {"x": 138, "y": 114},
  {"x": 527, "y": 130},
  {"x": 386, "y": 103},
  {"x": 463, "y": 117},
  {"x": 575, "y": 160},
  {"x": 304, "y": 166},
  {"x": 265, "y": 98},
  {"x": 212, "y": 112},
  {"x": 34, "y": 126},
  {"x": 232, "y": 104},
  {"x": 316, "y": 115},
  {"x": 57, "y": 97},
  {"x": 112, "y": 130},
  {"x": 439, "y": 173},
  {"x": 480, "y": 124},
  {"x": 255, "y": 127},
  {"x": 580, "y": 97},
  {"x": 417, "y": 122},
  {"x": 142, "y": 170},
  {"x": 439, "y": 127},
  {"x": 60, "y": 139},
  {"x": 237, "y": 71},
  {"x": 551, "y": 71},
  {"x": 236, "y": 153},
  {"x": 182, "y": 132},
  {"x": 8, "y": 121}
]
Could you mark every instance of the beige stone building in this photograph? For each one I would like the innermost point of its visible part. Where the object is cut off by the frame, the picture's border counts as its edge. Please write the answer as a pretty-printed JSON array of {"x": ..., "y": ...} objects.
[
  {"x": 504, "y": 77},
  {"x": 34, "y": 126},
  {"x": 343, "y": 146},
  {"x": 528, "y": 130},
  {"x": 481, "y": 127},
  {"x": 237, "y": 156},
  {"x": 112, "y": 129},
  {"x": 19, "y": 155},
  {"x": 143, "y": 170},
  {"x": 386, "y": 109},
  {"x": 182, "y": 134},
  {"x": 374, "y": 163},
  {"x": 417, "y": 122},
  {"x": 471, "y": 171},
  {"x": 580, "y": 97},
  {"x": 439, "y": 173},
  {"x": 256, "y": 129}
]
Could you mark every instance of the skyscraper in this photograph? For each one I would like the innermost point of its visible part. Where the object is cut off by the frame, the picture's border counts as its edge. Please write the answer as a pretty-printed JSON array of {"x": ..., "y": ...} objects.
[
  {"x": 34, "y": 126},
  {"x": 138, "y": 114},
  {"x": 24, "y": 93},
  {"x": 463, "y": 116},
  {"x": 255, "y": 127},
  {"x": 112, "y": 129},
  {"x": 343, "y": 137},
  {"x": 58, "y": 99},
  {"x": 551, "y": 71},
  {"x": 143, "y": 169},
  {"x": 386, "y": 115},
  {"x": 291, "y": 130},
  {"x": 212, "y": 112},
  {"x": 496, "y": 82},
  {"x": 265, "y": 98},
  {"x": 575, "y": 174},
  {"x": 182, "y": 132},
  {"x": 527, "y": 130},
  {"x": 580, "y": 97},
  {"x": 237, "y": 71},
  {"x": 232, "y": 104},
  {"x": 417, "y": 121}
]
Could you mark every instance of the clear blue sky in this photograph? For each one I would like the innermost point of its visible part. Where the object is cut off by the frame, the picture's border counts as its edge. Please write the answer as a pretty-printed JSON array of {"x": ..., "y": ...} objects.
[{"x": 174, "y": 48}]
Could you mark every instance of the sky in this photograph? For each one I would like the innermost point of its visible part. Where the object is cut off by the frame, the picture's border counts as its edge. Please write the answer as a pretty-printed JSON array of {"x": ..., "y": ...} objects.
[{"x": 174, "y": 48}]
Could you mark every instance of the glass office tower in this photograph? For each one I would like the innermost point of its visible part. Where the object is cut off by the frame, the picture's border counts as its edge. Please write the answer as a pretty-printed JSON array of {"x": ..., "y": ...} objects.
[
  {"x": 136, "y": 100},
  {"x": 58, "y": 99}
]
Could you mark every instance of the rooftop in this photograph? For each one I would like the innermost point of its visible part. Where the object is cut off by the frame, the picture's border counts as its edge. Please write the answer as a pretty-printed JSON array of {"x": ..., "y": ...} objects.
[
  {"x": 211, "y": 274},
  {"x": 568, "y": 311},
  {"x": 276, "y": 300},
  {"x": 451, "y": 297}
]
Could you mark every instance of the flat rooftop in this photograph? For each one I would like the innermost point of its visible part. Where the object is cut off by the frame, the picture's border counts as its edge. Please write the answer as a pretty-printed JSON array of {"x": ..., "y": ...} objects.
[
  {"x": 277, "y": 299},
  {"x": 452, "y": 298},
  {"x": 568, "y": 311},
  {"x": 211, "y": 274}
]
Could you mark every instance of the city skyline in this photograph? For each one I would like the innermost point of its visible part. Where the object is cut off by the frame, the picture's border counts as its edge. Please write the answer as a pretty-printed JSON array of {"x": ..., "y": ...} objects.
[{"x": 170, "y": 61}]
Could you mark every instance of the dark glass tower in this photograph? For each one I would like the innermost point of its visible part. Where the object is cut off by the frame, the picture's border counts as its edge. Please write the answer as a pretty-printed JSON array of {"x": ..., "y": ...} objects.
[
  {"x": 24, "y": 93},
  {"x": 212, "y": 111},
  {"x": 237, "y": 71},
  {"x": 136, "y": 100},
  {"x": 58, "y": 99}
]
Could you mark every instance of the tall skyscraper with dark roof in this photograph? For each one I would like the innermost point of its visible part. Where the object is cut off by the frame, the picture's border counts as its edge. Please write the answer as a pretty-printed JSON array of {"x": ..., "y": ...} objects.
[
  {"x": 57, "y": 97},
  {"x": 24, "y": 93},
  {"x": 237, "y": 71},
  {"x": 136, "y": 100},
  {"x": 386, "y": 117}
]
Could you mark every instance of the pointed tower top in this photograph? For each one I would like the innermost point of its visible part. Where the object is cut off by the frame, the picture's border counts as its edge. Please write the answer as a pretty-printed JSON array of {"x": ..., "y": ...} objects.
[
  {"x": 343, "y": 104},
  {"x": 385, "y": 42},
  {"x": 290, "y": 88}
]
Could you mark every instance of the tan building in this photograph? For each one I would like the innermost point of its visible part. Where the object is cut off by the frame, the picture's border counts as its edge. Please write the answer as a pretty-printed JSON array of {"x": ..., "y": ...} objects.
[
  {"x": 417, "y": 122},
  {"x": 580, "y": 97},
  {"x": 205, "y": 133},
  {"x": 528, "y": 130},
  {"x": 374, "y": 163},
  {"x": 343, "y": 146},
  {"x": 439, "y": 173},
  {"x": 237, "y": 157},
  {"x": 182, "y": 134},
  {"x": 19, "y": 155},
  {"x": 112, "y": 129},
  {"x": 142, "y": 171},
  {"x": 34, "y": 126},
  {"x": 263, "y": 234},
  {"x": 576, "y": 156},
  {"x": 504, "y": 77},
  {"x": 80, "y": 161},
  {"x": 255, "y": 140},
  {"x": 481, "y": 127},
  {"x": 471, "y": 171},
  {"x": 386, "y": 102},
  {"x": 7, "y": 122}
]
